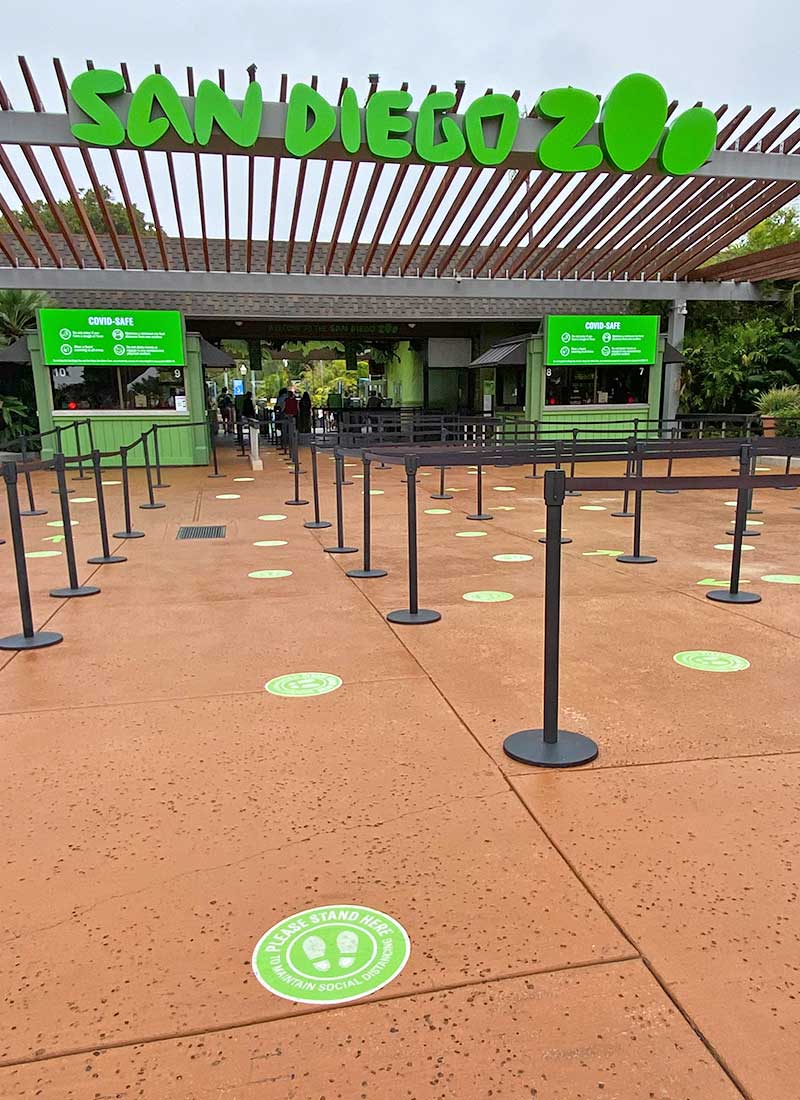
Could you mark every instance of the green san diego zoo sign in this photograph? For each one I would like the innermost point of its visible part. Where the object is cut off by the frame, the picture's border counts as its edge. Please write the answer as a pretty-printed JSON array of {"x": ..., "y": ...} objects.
[
  {"x": 631, "y": 123},
  {"x": 101, "y": 338},
  {"x": 601, "y": 341}
]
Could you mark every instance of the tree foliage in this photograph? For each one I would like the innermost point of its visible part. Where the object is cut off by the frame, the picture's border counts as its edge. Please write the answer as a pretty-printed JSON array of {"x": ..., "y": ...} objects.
[
  {"x": 116, "y": 212},
  {"x": 18, "y": 312},
  {"x": 780, "y": 228}
]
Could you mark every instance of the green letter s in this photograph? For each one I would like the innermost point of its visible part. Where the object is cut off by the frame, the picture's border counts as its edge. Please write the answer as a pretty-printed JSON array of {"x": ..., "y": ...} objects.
[
  {"x": 87, "y": 90},
  {"x": 213, "y": 105},
  {"x": 300, "y": 139},
  {"x": 143, "y": 129}
]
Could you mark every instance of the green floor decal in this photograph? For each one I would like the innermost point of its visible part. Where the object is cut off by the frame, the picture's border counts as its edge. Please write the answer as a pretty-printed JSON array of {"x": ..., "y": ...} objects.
[
  {"x": 437, "y": 511},
  {"x": 244, "y": 479},
  {"x": 781, "y": 578},
  {"x": 271, "y": 542},
  {"x": 504, "y": 508},
  {"x": 301, "y": 685},
  {"x": 512, "y": 557},
  {"x": 269, "y": 574},
  {"x": 504, "y": 489},
  {"x": 710, "y": 582},
  {"x": 43, "y": 554},
  {"x": 470, "y": 534},
  {"x": 602, "y": 553},
  {"x": 83, "y": 500},
  {"x": 270, "y": 518},
  {"x": 593, "y": 508},
  {"x": 331, "y": 954},
  {"x": 228, "y": 496},
  {"x": 705, "y": 660},
  {"x": 487, "y": 597},
  {"x": 60, "y": 523},
  {"x": 729, "y": 546}
]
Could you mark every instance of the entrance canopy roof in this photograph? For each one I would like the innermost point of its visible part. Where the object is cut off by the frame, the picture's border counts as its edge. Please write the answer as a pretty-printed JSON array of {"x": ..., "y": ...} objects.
[{"x": 228, "y": 211}]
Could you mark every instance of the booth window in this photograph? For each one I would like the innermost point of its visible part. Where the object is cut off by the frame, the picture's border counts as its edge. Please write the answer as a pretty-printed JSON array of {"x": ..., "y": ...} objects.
[
  {"x": 511, "y": 387},
  {"x": 585, "y": 385},
  {"x": 115, "y": 388}
]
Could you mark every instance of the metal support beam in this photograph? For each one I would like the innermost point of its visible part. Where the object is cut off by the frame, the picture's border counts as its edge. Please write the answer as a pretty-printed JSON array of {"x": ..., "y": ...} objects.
[
  {"x": 676, "y": 325},
  {"x": 361, "y": 286}
]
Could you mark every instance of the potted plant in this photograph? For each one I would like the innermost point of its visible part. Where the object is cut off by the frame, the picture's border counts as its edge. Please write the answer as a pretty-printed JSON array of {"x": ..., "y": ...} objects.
[{"x": 781, "y": 407}]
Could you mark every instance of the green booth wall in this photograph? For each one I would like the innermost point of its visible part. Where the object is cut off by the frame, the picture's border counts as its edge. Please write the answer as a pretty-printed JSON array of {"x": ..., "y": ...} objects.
[
  {"x": 592, "y": 420},
  {"x": 405, "y": 377},
  {"x": 178, "y": 446}
]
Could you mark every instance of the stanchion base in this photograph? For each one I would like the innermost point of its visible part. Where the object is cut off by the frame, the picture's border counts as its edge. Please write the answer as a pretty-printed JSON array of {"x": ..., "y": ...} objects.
[
  {"x": 364, "y": 574},
  {"x": 724, "y": 596},
  {"x": 636, "y": 559},
  {"x": 340, "y": 549},
  {"x": 163, "y": 485},
  {"x": 295, "y": 502},
  {"x": 572, "y": 493},
  {"x": 530, "y": 747},
  {"x": 69, "y": 593},
  {"x": 112, "y": 559},
  {"x": 667, "y": 492},
  {"x": 534, "y": 477},
  {"x": 441, "y": 496},
  {"x": 150, "y": 507},
  {"x": 755, "y": 511},
  {"x": 413, "y": 618},
  {"x": 345, "y": 483},
  {"x": 479, "y": 515},
  {"x": 746, "y": 534},
  {"x": 564, "y": 540},
  {"x": 623, "y": 515},
  {"x": 40, "y": 640},
  {"x": 318, "y": 525},
  {"x": 128, "y": 535},
  {"x": 55, "y": 491},
  {"x": 34, "y": 512},
  {"x": 785, "y": 488}
]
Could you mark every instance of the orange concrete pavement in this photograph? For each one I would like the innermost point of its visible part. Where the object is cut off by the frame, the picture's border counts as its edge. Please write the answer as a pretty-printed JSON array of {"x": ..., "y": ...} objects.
[{"x": 629, "y": 930}]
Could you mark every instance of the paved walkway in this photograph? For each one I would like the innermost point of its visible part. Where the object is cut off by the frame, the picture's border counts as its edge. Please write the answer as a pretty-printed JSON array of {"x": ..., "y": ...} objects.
[{"x": 626, "y": 931}]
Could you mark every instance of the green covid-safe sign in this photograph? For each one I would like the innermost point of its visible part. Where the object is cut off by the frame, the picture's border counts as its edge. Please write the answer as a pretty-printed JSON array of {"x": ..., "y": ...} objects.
[
  {"x": 101, "y": 338},
  {"x": 601, "y": 341},
  {"x": 631, "y": 123}
]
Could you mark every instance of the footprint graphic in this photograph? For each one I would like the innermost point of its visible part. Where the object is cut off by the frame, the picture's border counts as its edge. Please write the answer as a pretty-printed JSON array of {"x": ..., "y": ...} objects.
[
  {"x": 347, "y": 942},
  {"x": 314, "y": 948}
]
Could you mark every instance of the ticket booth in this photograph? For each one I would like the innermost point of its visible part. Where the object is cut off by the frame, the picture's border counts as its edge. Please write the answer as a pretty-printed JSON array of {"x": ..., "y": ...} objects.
[{"x": 124, "y": 371}]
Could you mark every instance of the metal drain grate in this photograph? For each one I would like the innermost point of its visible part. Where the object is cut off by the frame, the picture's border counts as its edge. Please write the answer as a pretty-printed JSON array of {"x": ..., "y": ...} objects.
[{"x": 201, "y": 532}]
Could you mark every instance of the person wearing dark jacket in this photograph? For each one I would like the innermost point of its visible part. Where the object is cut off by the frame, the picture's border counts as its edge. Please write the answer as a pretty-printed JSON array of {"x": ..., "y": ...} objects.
[
  {"x": 248, "y": 407},
  {"x": 304, "y": 415}
]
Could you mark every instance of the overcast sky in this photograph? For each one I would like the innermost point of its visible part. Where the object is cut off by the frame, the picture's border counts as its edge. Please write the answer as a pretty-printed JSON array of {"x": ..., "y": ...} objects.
[{"x": 716, "y": 51}]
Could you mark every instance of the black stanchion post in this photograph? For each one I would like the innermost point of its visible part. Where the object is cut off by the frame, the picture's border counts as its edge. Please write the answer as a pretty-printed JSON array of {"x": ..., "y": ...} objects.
[
  {"x": 296, "y": 467},
  {"x": 128, "y": 533},
  {"x": 366, "y": 570},
  {"x": 157, "y": 460},
  {"x": 212, "y": 446},
  {"x": 151, "y": 500},
  {"x": 751, "y": 511},
  {"x": 31, "y": 510},
  {"x": 29, "y": 638},
  {"x": 637, "y": 557},
  {"x": 414, "y": 615},
  {"x": 563, "y": 538},
  {"x": 317, "y": 523},
  {"x": 669, "y": 462},
  {"x": 340, "y": 547},
  {"x": 479, "y": 512},
  {"x": 441, "y": 495},
  {"x": 59, "y": 431},
  {"x": 732, "y": 593},
  {"x": 81, "y": 475},
  {"x": 106, "y": 558},
  {"x": 787, "y": 470},
  {"x": 533, "y": 475},
  {"x": 625, "y": 513},
  {"x": 573, "y": 492},
  {"x": 551, "y": 747},
  {"x": 74, "y": 588}
]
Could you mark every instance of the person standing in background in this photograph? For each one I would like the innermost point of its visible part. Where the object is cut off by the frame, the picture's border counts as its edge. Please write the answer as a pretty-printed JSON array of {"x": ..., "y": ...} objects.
[{"x": 304, "y": 415}]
